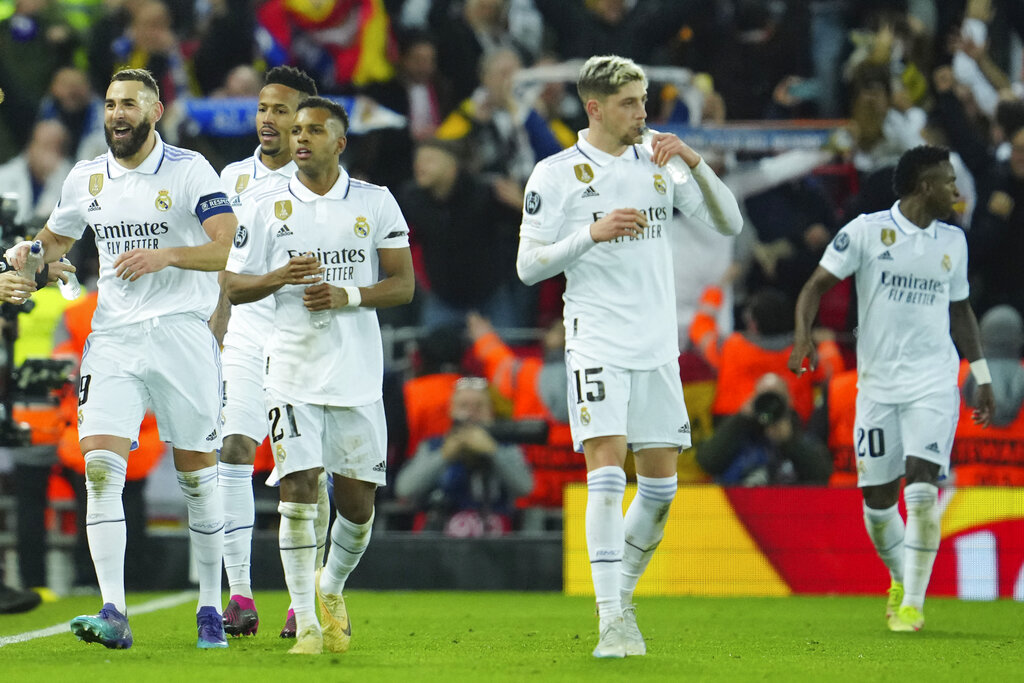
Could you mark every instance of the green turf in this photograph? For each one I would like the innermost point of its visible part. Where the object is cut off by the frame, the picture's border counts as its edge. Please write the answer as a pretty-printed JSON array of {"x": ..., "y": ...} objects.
[{"x": 422, "y": 637}]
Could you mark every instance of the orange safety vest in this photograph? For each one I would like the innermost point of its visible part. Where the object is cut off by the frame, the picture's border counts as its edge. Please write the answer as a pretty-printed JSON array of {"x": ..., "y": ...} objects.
[
  {"x": 427, "y": 404},
  {"x": 555, "y": 463},
  {"x": 987, "y": 456},
  {"x": 78, "y": 321}
]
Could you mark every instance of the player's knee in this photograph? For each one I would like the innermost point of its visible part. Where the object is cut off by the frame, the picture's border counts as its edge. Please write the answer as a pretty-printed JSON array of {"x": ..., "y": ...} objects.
[
  {"x": 353, "y": 499},
  {"x": 238, "y": 450}
]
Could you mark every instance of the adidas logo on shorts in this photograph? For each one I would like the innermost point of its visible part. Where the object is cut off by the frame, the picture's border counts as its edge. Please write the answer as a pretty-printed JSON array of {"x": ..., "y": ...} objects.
[
  {"x": 933, "y": 447},
  {"x": 380, "y": 467},
  {"x": 284, "y": 231},
  {"x": 589, "y": 192},
  {"x": 95, "y": 206},
  {"x": 685, "y": 429},
  {"x": 212, "y": 436}
]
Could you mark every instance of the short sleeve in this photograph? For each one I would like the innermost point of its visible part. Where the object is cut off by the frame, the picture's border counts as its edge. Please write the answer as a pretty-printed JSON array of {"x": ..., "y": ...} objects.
[
  {"x": 66, "y": 219},
  {"x": 394, "y": 231},
  {"x": 248, "y": 253},
  {"x": 959, "y": 289},
  {"x": 204, "y": 190},
  {"x": 842, "y": 257},
  {"x": 543, "y": 215}
]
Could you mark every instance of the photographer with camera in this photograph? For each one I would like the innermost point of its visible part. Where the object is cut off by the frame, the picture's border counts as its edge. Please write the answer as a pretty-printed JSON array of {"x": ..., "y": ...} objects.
[
  {"x": 765, "y": 443},
  {"x": 465, "y": 482}
]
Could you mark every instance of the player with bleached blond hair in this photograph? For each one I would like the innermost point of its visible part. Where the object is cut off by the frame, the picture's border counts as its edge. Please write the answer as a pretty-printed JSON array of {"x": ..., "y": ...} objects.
[{"x": 600, "y": 212}]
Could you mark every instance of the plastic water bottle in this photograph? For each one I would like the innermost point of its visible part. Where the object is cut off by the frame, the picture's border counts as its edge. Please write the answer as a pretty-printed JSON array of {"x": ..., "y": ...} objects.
[
  {"x": 32, "y": 261},
  {"x": 319, "y": 320},
  {"x": 676, "y": 168},
  {"x": 71, "y": 289}
]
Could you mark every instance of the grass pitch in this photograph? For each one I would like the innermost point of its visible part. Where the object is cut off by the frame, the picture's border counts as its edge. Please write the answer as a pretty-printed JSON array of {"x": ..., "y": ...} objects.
[{"x": 450, "y": 637}]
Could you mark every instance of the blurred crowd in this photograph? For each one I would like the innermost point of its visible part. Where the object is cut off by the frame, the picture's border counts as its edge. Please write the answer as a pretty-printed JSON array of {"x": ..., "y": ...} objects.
[{"x": 885, "y": 75}]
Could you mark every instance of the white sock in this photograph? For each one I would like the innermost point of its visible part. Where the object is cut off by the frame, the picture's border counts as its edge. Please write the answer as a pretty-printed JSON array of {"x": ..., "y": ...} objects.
[
  {"x": 239, "y": 518},
  {"x": 105, "y": 528},
  {"x": 886, "y": 531},
  {"x": 644, "y": 526},
  {"x": 348, "y": 543},
  {"x": 297, "y": 541},
  {"x": 921, "y": 542},
  {"x": 323, "y": 518},
  {"x": 205, "y": 530},
  {"x": 605, "y": 536}
]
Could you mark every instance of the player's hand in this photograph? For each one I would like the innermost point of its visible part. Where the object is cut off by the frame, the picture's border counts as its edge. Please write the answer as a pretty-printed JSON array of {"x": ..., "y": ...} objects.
[
  {"x": 668, "y": 145},
  {"x": 133, "y": 264},
  {"x": 300, "y": 270},
  {"x": 16, "y": 255},
  {"x": 59, "y": 270},
  {"x": 15, "y": 289},
  {"x": 803, "y": 349},
  {"x": 323, "y": 297},
  {"x": 986, "y": 401},
  {"x": 618, "y": 223}
]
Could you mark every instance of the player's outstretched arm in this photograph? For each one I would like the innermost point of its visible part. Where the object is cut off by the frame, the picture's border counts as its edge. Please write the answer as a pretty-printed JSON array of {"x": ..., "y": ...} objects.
[
  {"x": 807, "y": 305},
  {"x": 538, "y": 261},
  {"x": 54, "y": 247},
  {"x": 243, "y": 288},
  {"x": 963, "y": 328}
]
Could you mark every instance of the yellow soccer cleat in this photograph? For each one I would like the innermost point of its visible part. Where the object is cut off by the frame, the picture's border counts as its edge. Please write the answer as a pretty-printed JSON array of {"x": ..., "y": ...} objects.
[
  {"x": 907, "y": 620},
  {"x": 892, "y": 605},
  {"x": 309, "y": 641},
  {"x": 337, "y": 628}
]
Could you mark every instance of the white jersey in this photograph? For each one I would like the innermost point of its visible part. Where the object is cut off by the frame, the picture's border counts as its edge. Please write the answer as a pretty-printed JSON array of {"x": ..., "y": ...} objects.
[
  {"x": 906, "y": 278},
  {"x": 343, "y": 364},
  {"x": 161, "y": 203},
  {"x": 620, "y": 304},
  {"x": 249, "y": 324}
]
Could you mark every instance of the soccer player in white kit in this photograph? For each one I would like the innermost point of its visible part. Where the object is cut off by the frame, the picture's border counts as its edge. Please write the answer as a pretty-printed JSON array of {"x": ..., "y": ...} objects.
[
  {"x": 912, "y": 307},
  {"x": 162, "y": 227},
  {"x": 599, "y": 212},
  {"x": 324, "y": 238},
  {"x": 245, "y": 420}
]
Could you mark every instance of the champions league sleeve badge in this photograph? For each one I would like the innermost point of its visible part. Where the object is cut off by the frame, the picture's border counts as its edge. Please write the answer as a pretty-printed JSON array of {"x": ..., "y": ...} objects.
[
  {"x": 532, "y": 203},
  {"x": 841, "y": 242},
  {"x": 241, "y": 237}
]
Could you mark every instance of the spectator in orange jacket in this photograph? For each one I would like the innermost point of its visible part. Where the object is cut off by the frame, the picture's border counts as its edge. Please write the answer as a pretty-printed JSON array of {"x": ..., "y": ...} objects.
[
  {"x": 536, "y": 388},
  {"x": 763, "y": 347}
]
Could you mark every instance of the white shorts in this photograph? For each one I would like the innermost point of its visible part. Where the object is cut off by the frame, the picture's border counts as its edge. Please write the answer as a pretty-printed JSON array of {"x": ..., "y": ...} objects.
[
  {"x": 646, "y": 406},
  {"x": 884, "y": 434},
  {"x": 244, "y": 411},
  {"x": 351, "y": 442},
  {"x": 170, "y": 365}
]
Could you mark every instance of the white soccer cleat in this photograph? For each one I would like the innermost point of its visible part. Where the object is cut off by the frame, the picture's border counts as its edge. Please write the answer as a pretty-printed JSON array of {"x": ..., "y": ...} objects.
[
  {"x": 635, "y": 645},
  {"x": 611, "y": 642}
]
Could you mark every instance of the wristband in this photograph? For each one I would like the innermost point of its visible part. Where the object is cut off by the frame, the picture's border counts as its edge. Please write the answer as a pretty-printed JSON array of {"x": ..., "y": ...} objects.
[
  {"x": 354, "y": 297},
  {"x": 979, "y": 369}
]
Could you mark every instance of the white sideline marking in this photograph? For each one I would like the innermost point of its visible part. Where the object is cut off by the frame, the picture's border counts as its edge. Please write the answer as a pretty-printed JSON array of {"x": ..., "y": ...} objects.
[{"x": 151, "y": 606}]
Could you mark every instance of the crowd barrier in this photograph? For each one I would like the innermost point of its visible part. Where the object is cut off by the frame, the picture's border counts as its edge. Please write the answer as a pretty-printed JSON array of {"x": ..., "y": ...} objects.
[{"x": 775, "y": 541}]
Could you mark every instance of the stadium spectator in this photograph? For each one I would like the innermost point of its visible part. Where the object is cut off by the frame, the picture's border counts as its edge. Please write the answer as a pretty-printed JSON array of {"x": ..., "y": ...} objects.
[
  {"x": 621, "y": 332},
  {"x": 911, "y": 278},
  {"x": 329, "y": 413},
  {"x": 464, "y": 234},
  {"x": 466, "y": 482},
  {"x": 537, "y": 390},
  {"x": 765, "y": 443},
  {"x": 150, "y": 322},
  {"x": 1002, "y": 340},
  {"x": 37, "y": 174},
  {"x": 72, "y": 102},
  {"x": 227, "y": 41}
]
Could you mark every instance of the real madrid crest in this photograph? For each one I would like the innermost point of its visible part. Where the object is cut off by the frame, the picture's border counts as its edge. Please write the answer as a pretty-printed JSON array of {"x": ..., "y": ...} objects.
[
  {"x": 242, "y": 182},
  {"x": 362, "y": 228},
  {"x": 283, "y": 209},
  {"x": 279, "y": 452},
  {"x": 163, "y": 200},
  {"x": 584, "y": 415},
  {"x": 947, "y": 263},
  {"x": 95, "y": 183},
  {"x": 583, "y": 172},
  {"x": 659, "y": 184},
  {"x": 888, "y": 236}
]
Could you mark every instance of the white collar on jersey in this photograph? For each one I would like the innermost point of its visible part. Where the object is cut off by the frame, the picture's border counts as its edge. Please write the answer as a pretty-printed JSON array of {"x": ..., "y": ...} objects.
[
  {"x": 261, "y": 170},
  {"x": 304, "y": 194},
  {"x": 150, "y": 165},
  {"x": 910, "y": 228},
  {"x": 597, "y": 156}
]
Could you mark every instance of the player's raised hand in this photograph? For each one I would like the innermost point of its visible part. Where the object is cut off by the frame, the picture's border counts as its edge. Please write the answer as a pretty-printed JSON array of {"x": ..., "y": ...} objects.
[
  {"x": 16, "y": 255},
  {"x": 15, "y": 289},
  {"x": 803, "y": 349},
  {"x": 133, "y": 264},
  {"x": 300, "y": 270},
  {"x": 668, "y": 145},
  {"x": 618, "y": 223},
  {"x": 986, "y": 400}
]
